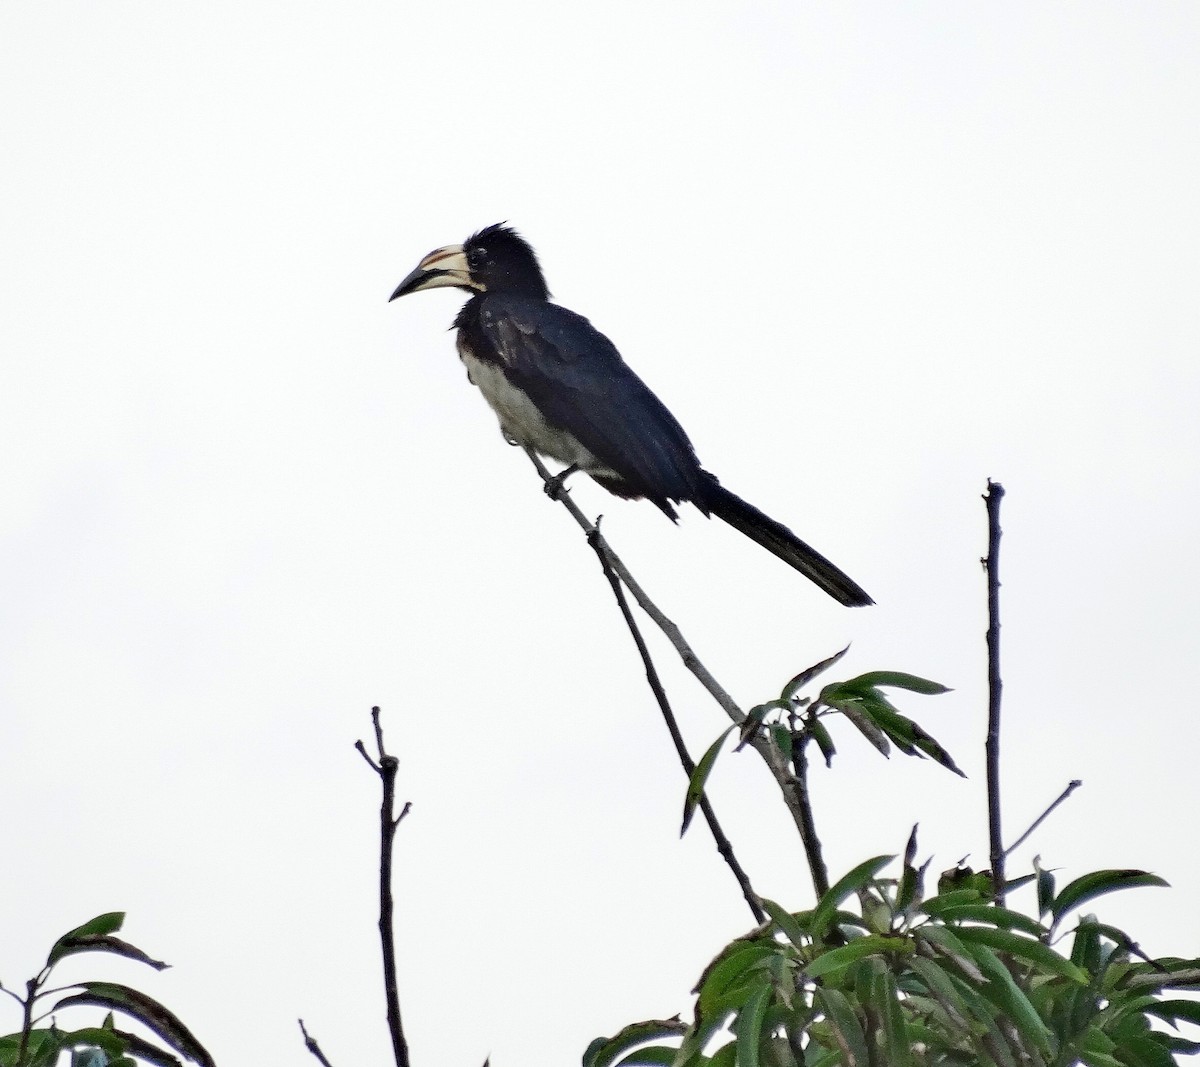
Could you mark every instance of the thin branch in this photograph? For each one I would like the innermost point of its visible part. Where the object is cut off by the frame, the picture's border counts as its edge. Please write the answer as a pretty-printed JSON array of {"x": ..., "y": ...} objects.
[
  {"x": 724, "y": 847},
  {"x": 812, "y": 843},
  {"x": 794, "y": 795},
  {"x": 31, "y": 995},
  {"x": 386, "y": 768},
  {"x": 993, "y": 496},
  {"x": 1071, "y": 787},
  {"x": 310, "y": 1043}
]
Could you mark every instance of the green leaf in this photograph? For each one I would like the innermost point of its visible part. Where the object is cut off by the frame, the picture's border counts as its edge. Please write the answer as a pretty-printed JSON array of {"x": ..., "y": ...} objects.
[
  {"x": 108, "y": 923},
  {"x": 896, "y": 680},
  {"x": 909, "y": 737},
  {"x": 844, "y": 1021},
  {"x": 101, "y": 926},
  {"x": 1097, "y": 884},
  {"x": 786, "y": 922},
  {"x": 650, "y": 1056},
  {"x": 847, "y": 884},
  {"x": 804, "y": 677},
  {"x": 1172, "y": 1011},
  {"x": 70, "y": 946},
  {"x": 750, "y": 1027},
  {"x": 824, "y": 741},
  {"x": 1004, "y": 992},
  {"x": 726, "y": 971},
  {"x": 864, "y": 724},
  {"x": 782, "y": 738},
  {"x": 1024, "y": 948},
  {"x": 145, "y": 1052},
  {"x": 604, "y": 1050},
  {"x": 859, "y": 948},
  {"x": 101, "y": 1037},
  {"x": 1045, "y": 887},
  {"x": 897, "y": 1044},
  {"x": 951, "y": 898},
  {"x": 947, "y": 994},
  {"x": 945, "y": 943},
  {"x": 695, "y": 789},
  {"x": 146, "y": 1011},
  {"x": 993, "y": 915}
]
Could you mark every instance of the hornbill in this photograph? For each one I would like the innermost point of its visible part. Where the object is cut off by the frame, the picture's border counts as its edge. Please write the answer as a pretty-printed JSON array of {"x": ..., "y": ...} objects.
[{"x": 561, "y": 388}]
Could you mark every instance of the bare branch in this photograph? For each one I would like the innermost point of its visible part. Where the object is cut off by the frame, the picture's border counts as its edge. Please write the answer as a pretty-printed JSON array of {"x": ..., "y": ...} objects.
[
  {"x": 724, "y": 846},
  {"x": 795, "y": 795},
  {"x": 993, "y": 496},
  {"x": 386, "y": 768},
  {"x": 1071, "y": 787},
  {"x": 310, "y": 1043}
]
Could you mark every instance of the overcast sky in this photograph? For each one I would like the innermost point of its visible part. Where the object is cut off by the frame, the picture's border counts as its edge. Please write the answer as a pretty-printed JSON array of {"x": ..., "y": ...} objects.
[{"x": 870, "y": 254}]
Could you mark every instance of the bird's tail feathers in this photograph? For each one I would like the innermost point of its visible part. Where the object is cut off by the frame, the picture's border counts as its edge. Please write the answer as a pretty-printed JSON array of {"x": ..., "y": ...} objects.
[{"x": 778, "y": 539}]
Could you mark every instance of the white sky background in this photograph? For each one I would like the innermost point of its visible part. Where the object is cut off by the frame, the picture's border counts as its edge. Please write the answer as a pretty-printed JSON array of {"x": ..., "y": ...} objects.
[{"x": 870, "y": 255}]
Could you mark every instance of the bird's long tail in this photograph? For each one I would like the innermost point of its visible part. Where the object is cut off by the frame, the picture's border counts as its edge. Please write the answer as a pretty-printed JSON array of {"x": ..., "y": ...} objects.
[{"x": 778, "y": 539}]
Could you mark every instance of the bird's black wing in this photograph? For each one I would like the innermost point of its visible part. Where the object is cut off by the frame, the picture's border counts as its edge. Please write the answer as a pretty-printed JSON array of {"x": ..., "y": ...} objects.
[{"x": 579, "y": 382}]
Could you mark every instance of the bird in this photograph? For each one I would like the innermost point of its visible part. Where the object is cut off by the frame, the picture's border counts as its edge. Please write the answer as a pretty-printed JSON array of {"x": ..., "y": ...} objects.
[{"x": 560, "y": 388}]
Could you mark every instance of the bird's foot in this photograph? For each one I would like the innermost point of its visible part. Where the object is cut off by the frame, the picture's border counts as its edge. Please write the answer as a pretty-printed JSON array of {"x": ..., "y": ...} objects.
[{"x": 554, "y": 486}]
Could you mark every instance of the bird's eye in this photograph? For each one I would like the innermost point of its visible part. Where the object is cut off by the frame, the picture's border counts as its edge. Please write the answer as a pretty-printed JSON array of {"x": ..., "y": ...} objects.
[{"x": 476, "y": 257}]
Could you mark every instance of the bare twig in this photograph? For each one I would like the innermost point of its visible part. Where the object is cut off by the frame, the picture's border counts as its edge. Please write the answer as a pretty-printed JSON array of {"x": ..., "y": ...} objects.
[
  {"x": 812, "y": 843},
  {"x": 386, "y": 768},
  {"x": 794, "y": 792},
  {"x": 1071, "y": 787},
  {"x": 310, "y": 1043},
  {"x": 724, "y": 847},
  {"x": 993, "y": 496}
]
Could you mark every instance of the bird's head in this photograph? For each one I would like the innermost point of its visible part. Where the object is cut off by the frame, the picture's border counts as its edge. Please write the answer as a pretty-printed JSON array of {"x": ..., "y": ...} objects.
[{"x": 495, "y": 260}]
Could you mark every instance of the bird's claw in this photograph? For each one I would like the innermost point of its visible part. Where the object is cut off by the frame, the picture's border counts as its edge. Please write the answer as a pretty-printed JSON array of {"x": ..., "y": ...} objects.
[{"x": 554, "y": 486}]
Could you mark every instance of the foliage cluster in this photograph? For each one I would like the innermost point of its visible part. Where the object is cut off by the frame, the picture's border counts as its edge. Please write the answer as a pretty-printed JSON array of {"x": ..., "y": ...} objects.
[{"x": 906, "y": 979}]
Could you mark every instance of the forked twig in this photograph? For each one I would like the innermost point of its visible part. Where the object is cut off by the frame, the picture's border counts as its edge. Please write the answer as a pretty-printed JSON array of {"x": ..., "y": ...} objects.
[
  {"x": 794, "y": 791},
  {"x": 724, "y": 846},
  {"x": 386, "y": 768}
]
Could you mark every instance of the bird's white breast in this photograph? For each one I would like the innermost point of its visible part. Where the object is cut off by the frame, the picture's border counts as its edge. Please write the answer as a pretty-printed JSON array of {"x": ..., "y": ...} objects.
[{"x": 522, "y": 422}]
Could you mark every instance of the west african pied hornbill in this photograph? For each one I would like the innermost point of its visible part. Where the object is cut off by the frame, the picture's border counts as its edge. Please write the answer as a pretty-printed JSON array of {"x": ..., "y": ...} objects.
[{"x": 561, "y": 388}]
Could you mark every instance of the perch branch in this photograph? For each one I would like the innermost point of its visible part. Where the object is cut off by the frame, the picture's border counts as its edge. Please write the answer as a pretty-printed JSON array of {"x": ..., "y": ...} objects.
[
  {"x": 793, "y": 791},
  {"x": 724, "y": 846}
]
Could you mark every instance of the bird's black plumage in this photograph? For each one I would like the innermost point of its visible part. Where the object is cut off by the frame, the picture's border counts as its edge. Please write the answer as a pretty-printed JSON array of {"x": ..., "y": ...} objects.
[{"x": 560, "y": 387}]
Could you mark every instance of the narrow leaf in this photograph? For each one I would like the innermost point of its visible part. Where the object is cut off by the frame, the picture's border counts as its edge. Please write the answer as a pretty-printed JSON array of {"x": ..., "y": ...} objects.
[
  {"x": 695, "y": 789},
  {"x": 728, "y": 970},
  {"x": 1173, "y": 1010},
  {"x": 70, "y": 946},
  {"x": 897, "y": 1046},
  {"x": 943, "y": 941},
  {"x": 992, "y": 915},
  {"x": 750, "y": 1027},
  {"x": 650, "y": 1056},
  {"x": 897, "y": 680},
  {"x": 1097, "y": 884},
  {"x": 859, "y": 948},
  {"x": 847, "y": 884},
  {"x": 604, "y": 1050},
  {"x": 824, "y": 741},
  {"x": 102, "y": 925},
  {"x": 1023, "y": 947},
  {"x": 1045, "y": 887},
  {"x": 865, "y": 725},
  {"x": 910, "y": 737},
  {"x": 786, "y": 922},
  {"x": 1004, "y": 992},
  {"x": 841, "y": 1016},
  {"x": 804, "y": 677},
  {"x": 146, "y": 1011}
]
